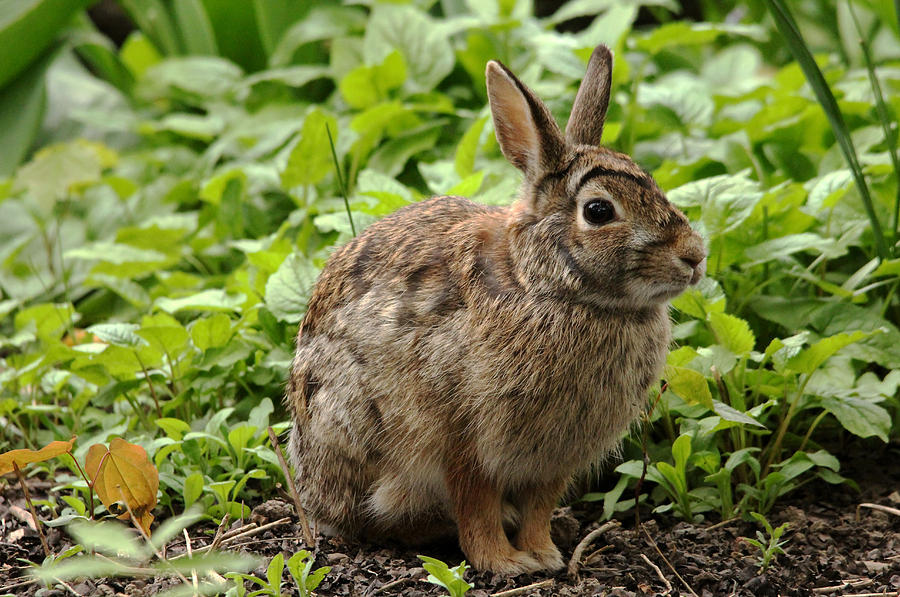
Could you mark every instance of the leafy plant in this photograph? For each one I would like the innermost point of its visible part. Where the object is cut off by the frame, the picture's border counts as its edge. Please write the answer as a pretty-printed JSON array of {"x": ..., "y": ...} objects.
[
  {"x": 769, "y": 544},
  {"x": 439, "y": 573}
]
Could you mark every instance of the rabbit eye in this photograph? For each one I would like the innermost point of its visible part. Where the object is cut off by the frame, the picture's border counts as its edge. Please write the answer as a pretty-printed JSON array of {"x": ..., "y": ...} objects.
[{"x": 599, "y": 211}]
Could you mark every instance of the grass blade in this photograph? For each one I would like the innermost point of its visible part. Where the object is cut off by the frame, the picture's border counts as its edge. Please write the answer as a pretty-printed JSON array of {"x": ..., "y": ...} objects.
[
  {"x": 340, "y": 177},
  {"x": 784, "y": 20},
  {"x": 890, "y": 133}
]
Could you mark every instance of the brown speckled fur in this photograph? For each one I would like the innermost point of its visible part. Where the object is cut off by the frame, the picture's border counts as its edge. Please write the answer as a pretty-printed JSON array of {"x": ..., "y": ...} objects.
[{"x": 459, "y": 364}]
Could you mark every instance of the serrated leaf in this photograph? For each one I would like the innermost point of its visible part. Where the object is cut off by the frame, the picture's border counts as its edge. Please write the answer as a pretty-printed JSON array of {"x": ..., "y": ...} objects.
[
  {"x": 289, "y": 288},
  {"x": 118, "y": 334},
  {"x": 725, "y": 201},
  {"x": 405, "y": 28},
  {"x": 732, "y": 332}
]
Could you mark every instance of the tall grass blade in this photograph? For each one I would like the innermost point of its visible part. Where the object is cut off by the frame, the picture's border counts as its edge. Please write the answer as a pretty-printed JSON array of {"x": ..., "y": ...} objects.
[
  {"x": 340, "y": 177},
  {"x": 784, "y": 20},
  {"x": 890, "y": 133}
]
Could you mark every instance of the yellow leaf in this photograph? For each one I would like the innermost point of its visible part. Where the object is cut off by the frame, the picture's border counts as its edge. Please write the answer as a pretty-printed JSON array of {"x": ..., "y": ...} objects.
[
  {"x": 123, "y": 473},
  {"x": 23, "y": 457}
]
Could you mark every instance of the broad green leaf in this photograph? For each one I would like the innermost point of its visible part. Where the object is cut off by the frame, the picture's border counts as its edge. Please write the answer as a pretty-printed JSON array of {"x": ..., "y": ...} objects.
[
  {"x": 683, "y": 33},
  {"x": 859, "y": 416},
  {"x": 732, "y": 332},
  {"x": 405, "y": 28},
  {"x": 58, "y": 170},
  {"x": 365, "y": 86},
  {"x": 206, "y": 300},
  {"x": 310, "y": 160},
  {"x": 735, "y": 416},
  {"x": 193, "y": 488},
  {"x": 322, "y": 22},
  {"x": 22, "y": 105},
  {"x": 108, "y": 538},
  {"x": 468, "y": 147},
  {"x": 810, "y": 359},
  {"x": 289, "y": 288},
  {"x": 725, "y": 201},
  {"x": 778, "y": 248},
  {"x": 193, "y": 26},
  {"x": 119, "y": 334},
  {"x": 689, "y": 385},
  {"x": 211, "y": 332}
]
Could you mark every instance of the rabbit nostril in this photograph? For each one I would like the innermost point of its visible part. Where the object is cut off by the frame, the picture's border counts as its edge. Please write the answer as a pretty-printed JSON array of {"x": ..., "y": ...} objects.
[{"x": 693, "y": 262}]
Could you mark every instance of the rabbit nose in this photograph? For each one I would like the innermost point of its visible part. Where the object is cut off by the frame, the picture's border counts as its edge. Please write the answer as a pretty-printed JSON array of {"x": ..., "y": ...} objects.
[{"x": 697, "y": 264}]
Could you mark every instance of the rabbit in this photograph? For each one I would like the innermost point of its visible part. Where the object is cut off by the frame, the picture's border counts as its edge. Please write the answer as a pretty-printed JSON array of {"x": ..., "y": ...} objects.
[{"x": 460, "y": 364}]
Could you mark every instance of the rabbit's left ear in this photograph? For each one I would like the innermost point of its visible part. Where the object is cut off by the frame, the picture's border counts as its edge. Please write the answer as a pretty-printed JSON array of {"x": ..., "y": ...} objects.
[{"x": 585, "y": 125}]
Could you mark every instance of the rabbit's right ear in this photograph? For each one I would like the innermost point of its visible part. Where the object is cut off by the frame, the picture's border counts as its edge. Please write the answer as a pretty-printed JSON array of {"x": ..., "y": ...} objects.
[
  {"x": 528, "y": 136},
  {"x": 585, "y": 124}
]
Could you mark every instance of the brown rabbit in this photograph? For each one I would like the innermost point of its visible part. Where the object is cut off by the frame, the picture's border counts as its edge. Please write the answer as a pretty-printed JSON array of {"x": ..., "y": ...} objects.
[{"x": 461, "y": 363}]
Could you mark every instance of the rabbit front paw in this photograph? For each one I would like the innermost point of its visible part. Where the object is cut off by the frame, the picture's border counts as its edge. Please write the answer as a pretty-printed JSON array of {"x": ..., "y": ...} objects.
[
  {"x": 549, "y": 558},
  {"x": 511, "y": 563}
]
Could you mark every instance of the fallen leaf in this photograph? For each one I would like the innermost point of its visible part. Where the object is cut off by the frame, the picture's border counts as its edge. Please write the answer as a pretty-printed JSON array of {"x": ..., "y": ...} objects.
[
  {"x": 124, "y": 473},
  {"x": 25, "y": 456}
]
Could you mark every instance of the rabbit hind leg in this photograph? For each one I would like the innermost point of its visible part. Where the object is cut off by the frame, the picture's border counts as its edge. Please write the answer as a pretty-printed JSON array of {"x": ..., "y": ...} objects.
[{"x": 535, "y": 504}]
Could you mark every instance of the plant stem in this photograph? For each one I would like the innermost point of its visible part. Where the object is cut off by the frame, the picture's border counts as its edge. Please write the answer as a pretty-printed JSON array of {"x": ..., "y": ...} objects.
[
  {"x": 34, "y": 516},
  {"x": 90, "y": 485},
  {"x": 812, "y": 427}
]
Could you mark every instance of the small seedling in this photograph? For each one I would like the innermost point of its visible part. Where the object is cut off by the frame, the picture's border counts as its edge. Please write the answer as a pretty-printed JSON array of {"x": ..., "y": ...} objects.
[
  {"x": 770, "y": 547},
  {"x": 442, "y": 575}
]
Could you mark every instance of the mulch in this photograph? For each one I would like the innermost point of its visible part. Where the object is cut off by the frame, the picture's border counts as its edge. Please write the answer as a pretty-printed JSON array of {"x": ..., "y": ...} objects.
[{"x": 834, "y": 547}]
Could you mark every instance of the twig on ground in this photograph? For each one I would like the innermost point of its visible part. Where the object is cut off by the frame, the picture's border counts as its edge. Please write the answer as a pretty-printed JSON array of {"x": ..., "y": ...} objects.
[
  {"x": 575, "y": 560},
  {"x": 878, "y": 507},
  {"x": 190, "y": 553},
  {"x": 525, "y": 589},
  {"x": 658, "y": 573},
  {"x": 220, "y": 531},
  {"x": 723, "y": 523},
  {"x": 872, "y": 594},
  {"x": 849, "y": 584},
  {"x": 231, "y": 537},
  {"x": 668, "y": 563},
  {"x": 37, "y": 521},
  {"x": 392, "y": 584},
  {"x": 17, "y": 585},
  {"x": 304, "y": 523}
]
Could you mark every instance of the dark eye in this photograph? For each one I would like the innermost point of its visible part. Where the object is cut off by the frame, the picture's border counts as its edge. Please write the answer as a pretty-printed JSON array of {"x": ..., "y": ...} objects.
[{"x": 599, "y": 211}]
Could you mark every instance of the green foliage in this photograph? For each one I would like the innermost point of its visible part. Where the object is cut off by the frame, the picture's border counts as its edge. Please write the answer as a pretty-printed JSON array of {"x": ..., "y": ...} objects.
[
  {"x": 159, "y": 247},
  {"x": 768, "y": 543},
  {"x": 442, "y": 575}
]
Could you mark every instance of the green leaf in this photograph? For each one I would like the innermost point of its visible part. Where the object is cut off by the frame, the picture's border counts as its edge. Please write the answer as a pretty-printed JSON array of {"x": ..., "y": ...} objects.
[
  {"x": 27, "y": 28},
  {"x": 289, "y": 288},
  {"x": 735, "y": 416},
  {"x": 403, "y": 27},
  {"x": 689, "y": 385},
  {"x": 109, "y": 538},
  {"x": 859, "y": 416},
  {"x": 365, "y": 86},
  {"x": 310, "y": 160},
  {"x": 322, "y": 22},
  {"x": 683, "y": 33},
  {"x": 118, "y": 334},
  {"x": 779, "y": 248},
  {"x": 22, "y": 105},
  {"x": 732, "y": 332},
  {"x": 468, "y": 147},
  {"x": 213, "y": 299},
  {"x": 211, "y": 332},
  {"x": 810, "y": 359},
  {"x": 193, "y": 26},
  {"x": 725, "y": 201}
]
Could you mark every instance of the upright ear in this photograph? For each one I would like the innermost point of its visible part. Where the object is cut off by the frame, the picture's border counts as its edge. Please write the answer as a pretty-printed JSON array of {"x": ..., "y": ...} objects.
[
  {"x": 585, "y": 125},
  {"x": 528, "y": 136}
]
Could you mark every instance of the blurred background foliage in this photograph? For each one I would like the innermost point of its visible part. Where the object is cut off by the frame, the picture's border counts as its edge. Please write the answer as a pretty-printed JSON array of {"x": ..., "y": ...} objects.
[{"x": 168, "y": 196}]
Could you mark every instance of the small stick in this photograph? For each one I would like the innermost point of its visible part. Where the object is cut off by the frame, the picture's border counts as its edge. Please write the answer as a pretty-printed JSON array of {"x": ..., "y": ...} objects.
[
  {"x": 392, "y": 584},
  {"x": 525, "y": 589},
  {"x": 234, "y": 537},
  {"x": 304, "y": 523},
  {"x": 658, "y": 573},
  {"x": 24, "y": 583},
  {"x": 220, "y": 531},
  {"x": 190, "y": 553},
  {"x": 668, "y": 563},
  {"x": 37, "y": 521},
  {"x": 239, "y": 531},
  {"x": 849, "y": 584},
  {"x": 878, "y": 507},
  {"x": 575, "y": 560},
  {"x": 872, "y": 594},
  {"x": 723, "y": 523}
]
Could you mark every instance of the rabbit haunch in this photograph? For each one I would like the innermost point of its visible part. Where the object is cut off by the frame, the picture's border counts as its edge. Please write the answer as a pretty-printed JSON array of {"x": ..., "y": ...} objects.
[{"x": 458, "y": 364}]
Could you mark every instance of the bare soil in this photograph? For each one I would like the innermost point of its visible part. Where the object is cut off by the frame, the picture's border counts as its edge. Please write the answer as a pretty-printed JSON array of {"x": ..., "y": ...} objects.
[{"x": 834, "y": 547}]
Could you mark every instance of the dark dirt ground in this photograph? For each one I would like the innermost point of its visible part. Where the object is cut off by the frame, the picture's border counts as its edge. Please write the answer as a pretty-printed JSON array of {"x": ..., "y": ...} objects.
[{"x": 834, "y": 547}]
